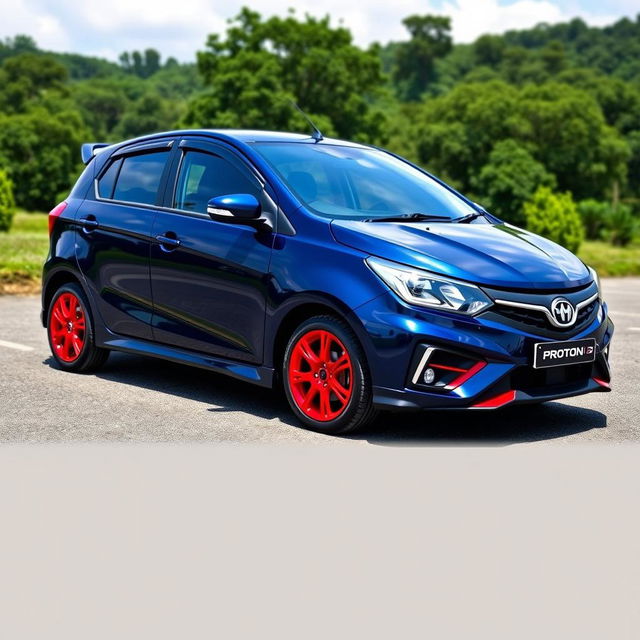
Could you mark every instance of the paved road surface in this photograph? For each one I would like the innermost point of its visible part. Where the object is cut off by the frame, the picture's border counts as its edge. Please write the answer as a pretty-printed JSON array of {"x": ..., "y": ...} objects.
[{"x": 148, "y": 400}]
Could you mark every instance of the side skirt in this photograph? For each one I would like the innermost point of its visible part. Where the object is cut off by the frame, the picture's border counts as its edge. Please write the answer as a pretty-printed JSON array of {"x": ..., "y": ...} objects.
[{"x": 262, "y": 376}]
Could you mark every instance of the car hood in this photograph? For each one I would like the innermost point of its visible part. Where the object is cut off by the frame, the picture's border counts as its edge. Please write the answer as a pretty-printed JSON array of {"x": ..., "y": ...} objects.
[{"x": 494, "y": 255}]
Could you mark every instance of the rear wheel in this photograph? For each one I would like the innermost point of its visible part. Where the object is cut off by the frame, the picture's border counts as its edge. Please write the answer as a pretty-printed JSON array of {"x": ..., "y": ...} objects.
[
  {"x": 70, "y": 331},
  {"x": 325, "y": 376}
]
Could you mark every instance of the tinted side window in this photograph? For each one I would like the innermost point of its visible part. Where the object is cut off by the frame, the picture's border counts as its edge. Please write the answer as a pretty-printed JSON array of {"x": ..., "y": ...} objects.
[
  {"x": 139, "y": 177},
  {"x": 108, "y": 180},
  {"x": 204, "y": 176}
]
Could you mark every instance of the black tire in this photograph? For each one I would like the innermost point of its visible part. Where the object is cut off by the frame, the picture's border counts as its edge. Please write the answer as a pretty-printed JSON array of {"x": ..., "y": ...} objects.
[
  {"x": 90, "y": 357},
  {"x": 359, "y": 410}
]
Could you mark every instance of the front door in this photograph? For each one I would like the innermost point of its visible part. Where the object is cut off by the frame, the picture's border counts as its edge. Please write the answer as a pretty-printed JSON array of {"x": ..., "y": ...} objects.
[{"x": 209, "y": 278}]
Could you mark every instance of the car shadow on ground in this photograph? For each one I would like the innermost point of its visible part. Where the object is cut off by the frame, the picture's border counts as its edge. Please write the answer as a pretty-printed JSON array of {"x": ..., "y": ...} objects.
[
  {"x": 528, "y": 423},
  {"x": 511, "y": 425}
]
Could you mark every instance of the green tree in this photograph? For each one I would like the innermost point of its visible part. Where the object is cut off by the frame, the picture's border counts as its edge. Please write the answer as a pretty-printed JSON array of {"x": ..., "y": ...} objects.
[
  {"x": 554, "y": 216},
  {"x": 143, "y": 64},
  {"x": 27, "y": 77},
  {"x": 554, "y": 57},
  {"x": 488, "y": 50},
  {"x": 622, "y": 226},
  {"x": 7, "y": 203},
  {"x": 148, "y": 114},
  {"x": 573, "y": 140},
  {"x": 41, "y": 151},
  {"x": 102, "y": 106},
  {"x": 595, "y": 216},
  {"x": 510, "y": 178},
  {"x": 415, "y": 59},
  {"x": 252, "y": 74},
  {"x": 14, "y": 46},
  {"x": 562, "y": 128}
]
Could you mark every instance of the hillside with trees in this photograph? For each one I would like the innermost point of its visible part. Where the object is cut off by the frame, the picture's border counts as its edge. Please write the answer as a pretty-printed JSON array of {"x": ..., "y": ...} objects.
[{"x": 509, "y": 119}]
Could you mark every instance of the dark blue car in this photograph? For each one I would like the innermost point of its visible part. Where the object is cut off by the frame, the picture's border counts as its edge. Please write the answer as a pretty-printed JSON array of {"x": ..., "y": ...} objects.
[{"x": 349, "y": 276}]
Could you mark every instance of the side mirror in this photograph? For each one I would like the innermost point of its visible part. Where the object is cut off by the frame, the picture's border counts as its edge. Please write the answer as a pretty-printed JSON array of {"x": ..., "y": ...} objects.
[{"x": 238, "y": 208}]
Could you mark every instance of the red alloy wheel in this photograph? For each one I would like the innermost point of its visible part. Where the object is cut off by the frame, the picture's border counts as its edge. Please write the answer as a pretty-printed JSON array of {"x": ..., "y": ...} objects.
[
  {"x": 320, "y": 375},
  {"x": 67, "y": 327}
]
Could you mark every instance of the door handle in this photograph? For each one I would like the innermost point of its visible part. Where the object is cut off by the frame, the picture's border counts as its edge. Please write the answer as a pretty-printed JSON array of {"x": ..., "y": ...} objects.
[
  {"x": 89, "y": 223},
  {"x": 168, "y": 242}
]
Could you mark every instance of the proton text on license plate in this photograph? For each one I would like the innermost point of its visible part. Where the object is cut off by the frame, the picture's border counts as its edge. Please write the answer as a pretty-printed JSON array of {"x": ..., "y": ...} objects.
[{"x": 556, "y": 354}]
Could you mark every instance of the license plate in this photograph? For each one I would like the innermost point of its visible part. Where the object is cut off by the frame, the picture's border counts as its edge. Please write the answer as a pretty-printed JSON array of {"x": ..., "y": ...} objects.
[{"x": 557, "y": 354}]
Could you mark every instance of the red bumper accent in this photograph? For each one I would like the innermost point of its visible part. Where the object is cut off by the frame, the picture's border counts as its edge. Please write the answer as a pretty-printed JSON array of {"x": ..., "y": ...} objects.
[
  {"x": 466, "y": 375},
  {"x": 602, "y": 383},
  {"x": 497, "y": 401}
]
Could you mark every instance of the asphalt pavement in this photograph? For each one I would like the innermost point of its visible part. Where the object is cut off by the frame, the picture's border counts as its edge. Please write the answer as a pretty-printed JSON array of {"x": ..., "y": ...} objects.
[{"x": 137, "y": 399}]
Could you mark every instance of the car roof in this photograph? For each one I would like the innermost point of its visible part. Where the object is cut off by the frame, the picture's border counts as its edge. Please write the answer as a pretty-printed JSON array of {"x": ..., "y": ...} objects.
[{"x": 246, "y": 136}]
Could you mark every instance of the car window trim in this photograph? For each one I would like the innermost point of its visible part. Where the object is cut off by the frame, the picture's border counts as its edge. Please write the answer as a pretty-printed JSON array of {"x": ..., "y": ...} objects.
[
  {"x": 136, "y": 149},
  {"x": 104, "y": 171},
  {"x": 131, "y": 152},
  {"x": 215, "y": 147}
]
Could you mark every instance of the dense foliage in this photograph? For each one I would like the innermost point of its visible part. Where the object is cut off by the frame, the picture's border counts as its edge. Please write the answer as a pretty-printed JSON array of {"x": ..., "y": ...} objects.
[
  {"x": 555, "y": 216},
  {"x": 7, "y": 203},
  {"x": 509, "y": 119},
  {"x": 262, "y": 66}
]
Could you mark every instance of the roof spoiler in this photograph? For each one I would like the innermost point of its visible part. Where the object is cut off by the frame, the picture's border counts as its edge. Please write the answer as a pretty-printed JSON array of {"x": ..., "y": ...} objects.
[{"x": 89, "y": 149}]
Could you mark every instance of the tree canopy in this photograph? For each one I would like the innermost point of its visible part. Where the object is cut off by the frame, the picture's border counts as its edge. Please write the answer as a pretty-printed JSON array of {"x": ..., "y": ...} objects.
[
  {"x": 254, "y": 73},
  {"x": 556, "y": 107}
]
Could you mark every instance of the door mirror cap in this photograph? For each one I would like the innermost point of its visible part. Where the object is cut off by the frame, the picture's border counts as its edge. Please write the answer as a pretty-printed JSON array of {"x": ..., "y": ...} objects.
[{"x": 234, "y": 208}]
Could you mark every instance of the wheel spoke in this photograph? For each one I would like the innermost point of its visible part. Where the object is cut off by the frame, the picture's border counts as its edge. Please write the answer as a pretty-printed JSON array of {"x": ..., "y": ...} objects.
[
  {"x": 57, "y": 315},
  {"x": 307, "y": 351},
  {"x": 308, "y": 399},
  {"x": 342, "y": 363},
  {"x": 302, "y": 376},
  {"x": 77, "y": 344},
  {"x": 65, "y": 345},
  {"x": 65, "y": 306},
  {"x": 325, "y": 346},
  {"x": 340, "y": 392},
  {"x": 325, "y": 405}
]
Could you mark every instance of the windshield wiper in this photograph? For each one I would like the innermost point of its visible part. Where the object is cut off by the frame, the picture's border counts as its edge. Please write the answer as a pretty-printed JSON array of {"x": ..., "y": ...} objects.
[
  {"x": 470, "y": 217},
  {"x": 409, "y": 217}
]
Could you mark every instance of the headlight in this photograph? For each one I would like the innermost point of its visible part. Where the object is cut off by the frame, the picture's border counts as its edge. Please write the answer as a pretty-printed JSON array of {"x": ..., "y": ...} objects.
[{"x": 421, "y": 288}]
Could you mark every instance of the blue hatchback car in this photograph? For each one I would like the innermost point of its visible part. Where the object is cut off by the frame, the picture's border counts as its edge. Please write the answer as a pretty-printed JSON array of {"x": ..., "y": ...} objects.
[{"x": 351, "y": 277}]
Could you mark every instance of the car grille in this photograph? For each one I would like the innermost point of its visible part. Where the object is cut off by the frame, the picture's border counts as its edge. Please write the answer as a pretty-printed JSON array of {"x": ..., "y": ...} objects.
[
  {"x": 536, "y": 321},
  {"x": 540, "y": 321}
]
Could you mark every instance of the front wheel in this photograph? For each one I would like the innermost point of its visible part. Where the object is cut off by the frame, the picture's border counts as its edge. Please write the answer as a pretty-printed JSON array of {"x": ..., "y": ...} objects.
[{"x": 326, "y": 378}]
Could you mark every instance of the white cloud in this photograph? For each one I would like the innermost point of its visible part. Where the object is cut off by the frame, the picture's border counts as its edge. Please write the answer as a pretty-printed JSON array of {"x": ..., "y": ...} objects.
[{"x": 180, "y": 27}]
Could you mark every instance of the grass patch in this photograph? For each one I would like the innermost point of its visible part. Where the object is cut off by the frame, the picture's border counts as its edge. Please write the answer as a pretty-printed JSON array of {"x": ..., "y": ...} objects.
[
  {"x": 22, "y": 253},
  {"x": 608, "y": 260}
]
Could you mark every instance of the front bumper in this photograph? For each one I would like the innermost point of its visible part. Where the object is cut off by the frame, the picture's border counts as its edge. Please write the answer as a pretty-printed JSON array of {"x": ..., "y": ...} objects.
[{"x": 397, "y": 333}]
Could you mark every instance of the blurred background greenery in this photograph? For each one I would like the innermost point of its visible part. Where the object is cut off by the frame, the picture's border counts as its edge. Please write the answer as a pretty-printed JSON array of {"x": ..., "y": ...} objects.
[{"x": 540, "y": 126}]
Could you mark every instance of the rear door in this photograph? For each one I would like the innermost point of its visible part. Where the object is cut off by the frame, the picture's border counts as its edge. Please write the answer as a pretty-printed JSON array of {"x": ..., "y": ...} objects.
[
  {"x": 114, "y": 236},
  {"x": 209, "y": 279}
]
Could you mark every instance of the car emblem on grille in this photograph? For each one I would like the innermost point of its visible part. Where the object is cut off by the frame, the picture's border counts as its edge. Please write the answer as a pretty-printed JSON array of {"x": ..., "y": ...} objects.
[{"x": 563, "y": 312}]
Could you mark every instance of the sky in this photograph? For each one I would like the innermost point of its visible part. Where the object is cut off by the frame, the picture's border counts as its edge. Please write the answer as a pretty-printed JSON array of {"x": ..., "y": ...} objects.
[{"x": 179, "y": 28}]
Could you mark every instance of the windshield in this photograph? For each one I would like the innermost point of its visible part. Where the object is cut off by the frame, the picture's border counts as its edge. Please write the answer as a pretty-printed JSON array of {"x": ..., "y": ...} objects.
[{"x": 349, "y": 182}]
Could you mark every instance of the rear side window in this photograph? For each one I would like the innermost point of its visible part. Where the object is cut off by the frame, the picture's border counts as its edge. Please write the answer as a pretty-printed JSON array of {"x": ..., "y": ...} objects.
[
  {"x": 139, "y": 177},
  {"x": 108, "y": 180},
  {"x": 204, "y": 176}
]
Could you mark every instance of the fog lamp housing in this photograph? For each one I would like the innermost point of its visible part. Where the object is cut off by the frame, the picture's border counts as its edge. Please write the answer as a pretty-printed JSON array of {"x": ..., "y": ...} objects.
[{"x": 438, "y": 369}]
